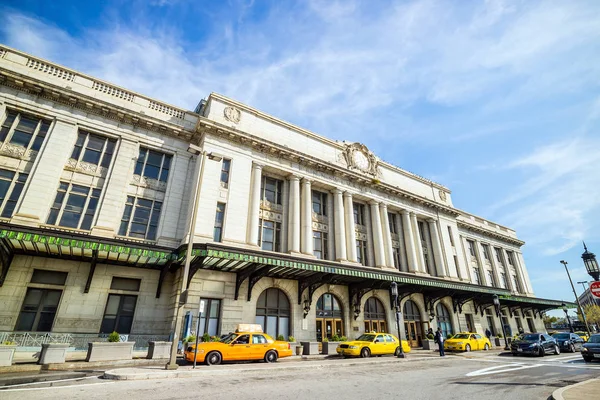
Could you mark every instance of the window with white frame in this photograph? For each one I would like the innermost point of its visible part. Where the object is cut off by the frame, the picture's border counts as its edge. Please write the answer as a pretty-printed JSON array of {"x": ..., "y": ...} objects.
[
  {"x": 392, "y": 222},
  {"x": 490, "y": 277},
  {"x": 319, "y": 203},
  {"x": 269, "y": 235},
  {"x": 320, "y": 245},
  {"x": 361, "y": 252},
  {"x": 471, "y": 246},
  {"x": 11, "y": 187},
  {"x": 503, "y": 281},
  {"x": 510, "y": 257},
  {"x": 93, "y": 149},
  {"x": 516, "y": 284},
  {"x": 359, "y": 213},
  {"x": 270, "y": 190},
  {"x": 498, "y": 255},
  {"x": 486, "y": 250},
  {"x": 74, "y": 206},
  {"x": 140, "y": 218},
  {"x": 451, "y": 236},
  {"x": 219, "y": 216},
  {"x": 476, "y": 276},
  {"x": 396, "y": 252},
  {"x": 153, "y": 164},
  {"x": 24, "y": 130},
  {"x": 225, "y": 169}
]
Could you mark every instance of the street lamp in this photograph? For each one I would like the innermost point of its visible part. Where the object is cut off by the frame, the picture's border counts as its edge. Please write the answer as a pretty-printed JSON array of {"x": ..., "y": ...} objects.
[
  {"x": 563, "y": 262},
  {"x": 591, "y": 265},
  {"x": 172, "y": 364},
  {"x": 586, "y": 299},
  {"x": 394, "y": 291},
  {"x": 497, "y": 306},
  {"x": 565, "y": 309}
]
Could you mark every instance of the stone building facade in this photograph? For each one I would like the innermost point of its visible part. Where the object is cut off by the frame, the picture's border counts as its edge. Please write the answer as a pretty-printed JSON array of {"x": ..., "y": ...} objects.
[{"x": 294, "y": 231}]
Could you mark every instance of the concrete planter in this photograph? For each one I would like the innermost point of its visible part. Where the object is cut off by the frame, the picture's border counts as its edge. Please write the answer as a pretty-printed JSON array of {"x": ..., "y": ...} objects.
[
  {"x": 106, "y": 351},
  {"x": 299, "y": 349},
  {"x": 496, "y": 342},
  {"x": 310, "y": 348},
  {"x": 7, "y": 352},
  {"x": 53, "y": 353},
  {"x": 429, "y": 344},
  {"x": 158, "y": 350},
  {"x": 329, "y": 348}
]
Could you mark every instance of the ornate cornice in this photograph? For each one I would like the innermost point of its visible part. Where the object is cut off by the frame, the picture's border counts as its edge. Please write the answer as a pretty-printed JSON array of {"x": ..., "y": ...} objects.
[{"x": 485, "y": 232}]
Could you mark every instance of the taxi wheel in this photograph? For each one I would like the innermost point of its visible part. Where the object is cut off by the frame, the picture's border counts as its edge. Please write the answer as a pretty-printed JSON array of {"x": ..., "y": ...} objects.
[
  {"x": 271, "y": 356},
  {"x": 487, "y": 347},
  {"x": 468, "y": 348},
  {"x": 213, "y": 358},
  {"x": 397, "y": 351},
  {"x": 365, "y": 352}
]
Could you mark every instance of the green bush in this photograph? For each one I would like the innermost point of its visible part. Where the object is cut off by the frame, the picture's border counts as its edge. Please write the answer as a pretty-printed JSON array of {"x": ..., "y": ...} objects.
[
  {"x": 325, "y": 340},
  {"x": 335, "y": 338},
  {"x": 499, "y": 336},
  {"x": 430, "y": 336},
  {"x": 280, "y": 338},
  {"x": 215, "y": 339},
  {"x": 114, "y": 337},
  {"x": 190, "y": 339},
  {"x": 291, "y": 339},
  {"x": 206, "y": 337},
  {"x": 343, "y": 338}
]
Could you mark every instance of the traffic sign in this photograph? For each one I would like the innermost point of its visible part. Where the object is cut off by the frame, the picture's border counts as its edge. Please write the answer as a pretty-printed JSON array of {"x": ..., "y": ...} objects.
[{"x": 595, "y": 289}]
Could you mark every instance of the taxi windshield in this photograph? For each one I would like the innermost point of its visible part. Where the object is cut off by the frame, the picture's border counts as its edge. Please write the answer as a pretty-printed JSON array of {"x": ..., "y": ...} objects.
[
  {"x": 460, "y": 336},
  {"x": 366, "y": 338},
  {"x": 229, "y": 338}
]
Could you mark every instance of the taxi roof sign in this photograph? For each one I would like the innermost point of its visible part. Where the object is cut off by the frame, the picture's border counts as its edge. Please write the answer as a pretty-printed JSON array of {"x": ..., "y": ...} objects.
[{"x": 249, "y": 328}]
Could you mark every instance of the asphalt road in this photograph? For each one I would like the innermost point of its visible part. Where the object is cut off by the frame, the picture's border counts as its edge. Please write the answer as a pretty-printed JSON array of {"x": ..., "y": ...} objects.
[{"x": 481, "y": 378}]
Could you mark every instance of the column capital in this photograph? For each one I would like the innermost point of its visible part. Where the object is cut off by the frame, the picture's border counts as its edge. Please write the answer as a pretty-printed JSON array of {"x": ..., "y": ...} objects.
[
  {"x": 293, "y": 177},
  {"x": 256, "y": 165},
  {"x": 347, "y": 195},
  {"x": 374, "y": 202},
  {"x": 337, "y": 191},
  {"x": 431, "y": 220},
  {"x": 383, "y": 206},
  {"x": 306, "y": 180},
  {"x": 404, "y": 212}
]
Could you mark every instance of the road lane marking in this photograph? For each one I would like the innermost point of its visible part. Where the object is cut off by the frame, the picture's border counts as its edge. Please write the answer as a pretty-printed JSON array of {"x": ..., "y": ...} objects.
[
  {"x": 506, "y": 368},
  {"x": 57, "y": 387}
]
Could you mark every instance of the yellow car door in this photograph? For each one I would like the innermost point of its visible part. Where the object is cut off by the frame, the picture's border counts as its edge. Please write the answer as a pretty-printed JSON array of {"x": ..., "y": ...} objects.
[
  {"x": 473, "y": 342},
  {"x": 481, "y": 341},
  {"x": 240, "y": 349},
  {"x": 258, "y": 347},
  {"x": 378, "y": 346},
  {"x": 390, "y": 344}
]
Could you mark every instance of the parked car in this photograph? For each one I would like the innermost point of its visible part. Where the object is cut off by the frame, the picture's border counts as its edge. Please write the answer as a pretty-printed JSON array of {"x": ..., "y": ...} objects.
[
  {"x": 538, "y": 344},
  {"x": 467, "y": 341},
  {"x": 372, "y": 344},
  {"x": 568, "y": 341},
  {"x": 240, "y": 346},
  {"x": 583, "y": 335},
  {"x": 591, "y": 350}
]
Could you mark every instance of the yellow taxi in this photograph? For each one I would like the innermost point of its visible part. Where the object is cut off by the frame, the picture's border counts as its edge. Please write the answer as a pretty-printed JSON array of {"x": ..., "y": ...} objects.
[
  {"x": 467, "y": 341},
  {"x": 372, "y": 344},
  {"x": 583, "y": 335},
  {"x": 247, "y": 343}
]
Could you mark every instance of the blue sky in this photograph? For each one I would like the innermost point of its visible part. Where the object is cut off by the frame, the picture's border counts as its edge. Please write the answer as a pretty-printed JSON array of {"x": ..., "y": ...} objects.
[{"x": 498, "y": 100}]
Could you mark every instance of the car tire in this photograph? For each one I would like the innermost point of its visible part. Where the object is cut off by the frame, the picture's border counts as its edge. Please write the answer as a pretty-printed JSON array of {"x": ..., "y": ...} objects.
[
  {"x": 541, "y": 352},
  {"x": 586, "y": 359},
  {"x": 271, "y": 356},
  {"x": 468, "y": 348},
  {"x": 514, "y": 354},
  {"x": 365, "y": 352},
  {"x": 556, "y": 350},
  {"x": 486, "y": 347},
  {"x": 572, "y": 348},
  {"x": 397, "y": 351},
  {"x": 213, "y": 358}
]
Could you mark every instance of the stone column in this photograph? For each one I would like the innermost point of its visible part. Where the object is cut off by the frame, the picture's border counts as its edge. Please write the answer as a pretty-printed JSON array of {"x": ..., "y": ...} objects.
[
  {"x": 525, "y": 275},
  {"x": 387, "y": 235},
  {"x": 350, "y": 232},
  {"x": 417, "y": 239},
  {"x": 340, "y": 226},
  {"x": 306, "y": 213},
  {"x": 294, "y": 215},
  {"x": 437, "y": 248},
  {"x": 377, "y": 235},
  {"x": 254, "y": 209},
  {"x": 409, "y": 242},
  {"x": 403, "y": 252}
]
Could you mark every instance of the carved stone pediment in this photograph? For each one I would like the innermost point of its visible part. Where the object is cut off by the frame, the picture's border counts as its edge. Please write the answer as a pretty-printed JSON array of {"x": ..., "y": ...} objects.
[
  {"x": 360, "y": 158},
  {"x": 149, "y": 183}
]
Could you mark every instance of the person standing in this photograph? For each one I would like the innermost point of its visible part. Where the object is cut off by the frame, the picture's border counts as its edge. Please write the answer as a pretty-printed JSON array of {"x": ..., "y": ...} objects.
[
  {"x": 488, "y": 334},
  {"x": 439, "y": 339}
]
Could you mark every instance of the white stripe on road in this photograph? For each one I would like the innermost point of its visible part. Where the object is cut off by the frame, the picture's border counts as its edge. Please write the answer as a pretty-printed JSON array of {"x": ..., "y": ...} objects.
[
  {"x": 506, "y": 368},
  {"x": 47, "y": 382},
  {"x": 57, "y": 387}
]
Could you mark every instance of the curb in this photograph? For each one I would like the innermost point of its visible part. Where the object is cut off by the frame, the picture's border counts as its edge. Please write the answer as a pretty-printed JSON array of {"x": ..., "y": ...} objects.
[
  {"x": 558, "y": 393},
  {"x": 115, "y": 375}
]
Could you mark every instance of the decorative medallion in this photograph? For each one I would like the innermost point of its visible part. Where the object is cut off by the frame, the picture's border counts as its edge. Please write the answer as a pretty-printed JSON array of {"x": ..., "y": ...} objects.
[
  {"x": 359, "y": 157},
  {"x": 232, "y": 114},
  {"x": 442, "y": 195}
]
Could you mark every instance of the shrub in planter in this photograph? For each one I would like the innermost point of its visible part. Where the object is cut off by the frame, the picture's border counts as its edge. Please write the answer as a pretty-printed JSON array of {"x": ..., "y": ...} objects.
[
  {"x": 280, "y": 338},
  {"x": 215, "y": 339},
  {"x": 190, "y": 339},
  {"x": 343, "y": 339},
  {"x": 206, "y": 337},
  {"x": 113, "y": 350},
  {"x": 114, "y": 337},
  {"x": 430, "y": 336},
  {"x": 291, "y": 339}
]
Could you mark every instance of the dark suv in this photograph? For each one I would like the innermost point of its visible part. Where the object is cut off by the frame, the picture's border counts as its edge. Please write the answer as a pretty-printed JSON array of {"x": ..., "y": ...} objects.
[
  {"x": 591, "y": 350},
  {"x": 569, "y": 341},
  {"x": 537, "y": 344}
]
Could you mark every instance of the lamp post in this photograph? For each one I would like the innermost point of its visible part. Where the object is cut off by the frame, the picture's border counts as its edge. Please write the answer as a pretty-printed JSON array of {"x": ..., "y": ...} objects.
[
  {"x": 497, "y": 306},
  {"x": 565, "y": 309},
  {"x": 591, "y": 265},
  {"x": 172, "y": 364},
  {"x": 563, "y": 262},
  {"x": 394, "y": 292},
  {"x": 585, "y": 300}
]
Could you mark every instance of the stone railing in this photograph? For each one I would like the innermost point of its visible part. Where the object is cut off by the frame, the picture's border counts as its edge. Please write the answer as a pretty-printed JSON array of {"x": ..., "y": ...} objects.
[
  {"x": 79, "y": 341},
  {"x": 34, "y": 339}
]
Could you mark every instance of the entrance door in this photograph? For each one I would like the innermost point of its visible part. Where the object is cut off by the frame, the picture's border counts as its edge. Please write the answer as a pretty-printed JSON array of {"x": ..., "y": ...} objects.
[
  {"x": 327, "y": 327},
  {"x": 413, "y": 333},
  {"x": 375, "y": 326}
]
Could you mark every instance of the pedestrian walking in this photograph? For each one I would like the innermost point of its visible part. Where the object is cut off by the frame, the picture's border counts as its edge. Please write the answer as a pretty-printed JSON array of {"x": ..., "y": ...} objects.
[
  {"x": 439, "y": 339},
  {"x": 488, "y": 334}
]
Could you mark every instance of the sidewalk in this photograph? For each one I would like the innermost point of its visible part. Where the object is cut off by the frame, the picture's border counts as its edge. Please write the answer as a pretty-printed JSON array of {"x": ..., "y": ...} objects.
[{"x": 578, "y": 391}]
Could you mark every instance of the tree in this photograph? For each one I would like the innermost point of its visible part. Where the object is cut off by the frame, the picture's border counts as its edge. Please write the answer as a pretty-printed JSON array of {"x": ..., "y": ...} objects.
[
  {"x": 548, "y": 321},
  {"x": 592, "y": 313}
]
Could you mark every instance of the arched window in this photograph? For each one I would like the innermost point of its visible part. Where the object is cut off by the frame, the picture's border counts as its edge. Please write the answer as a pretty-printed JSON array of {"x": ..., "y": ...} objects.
[
  {"x": 411, "y": 311},
  {"x": 330, "y": 318},
  {"x": 375, "y": 316},
  {"x": 273, "y": 313},
  {"x": 328, "y": 307},
  {"x": 443, "y": 319}
]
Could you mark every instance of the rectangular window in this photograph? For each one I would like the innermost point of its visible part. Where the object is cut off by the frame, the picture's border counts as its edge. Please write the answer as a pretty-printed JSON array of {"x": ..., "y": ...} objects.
[
  {"x": 510, "y": 256},
  {"x": 320, "y": 245},
  {"x": 24, "y": 130},
  {"x": 396, "y": 251},
  {"x": 490, "y": 277},
  {"x": 11, "y": 187},
  {"x": 130, "y": 284},
  {"x": 486, "y": 250},
  {"x": 46, "y": 277},
  {"x": 476, "y": 277},
  {"x": 471, "y": 245},
  {"x": 225, "y": 168},
  {"x": 319, "y": 203},
  {"x": 392, "y": 222},
  {"x": 140, "y": 218},
  {"x": 498, "y": 256},
  {"x": 118, "y": 315},
  {"x": 38, "y": 310},
  {"x": 456, "y": 263},
  {"x": 451, "y": 236},
  {"x": 516, "y": 284},
  {"x": 361, "y": 252},
  {"x": 153, "y": 164},
  {"x": 218, "y": 229},
  {"x": 270, "y": 190},
  {"x": 503, "y": 281},
  {"x": 93, "y": 149},
  {"x": 269, "y": 235},
  {"x": 359, "y": 213},
  {"x": 78, "y": 210},
  {"x": 422, "y": 236},
  {"x": 209, "y": 317}
]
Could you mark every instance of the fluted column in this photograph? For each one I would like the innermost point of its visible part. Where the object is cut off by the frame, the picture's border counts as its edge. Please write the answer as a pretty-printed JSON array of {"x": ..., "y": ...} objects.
[
  {"x": 418, "y": 246},
  {"x": 294, "y": 215},
  {"x": 350, "y": 232},
  {"x": 377, "y": 235},
  {"x": 387, "y": 235},
  {"x": 340, "y": 226},
  {"x": 437, "y": 248},
  {"x": 253, "y": 212},
  {"x": 306, "y": 215},
  {"x": 409, "y": 242},
  {"x": 402, "y": 258}
]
